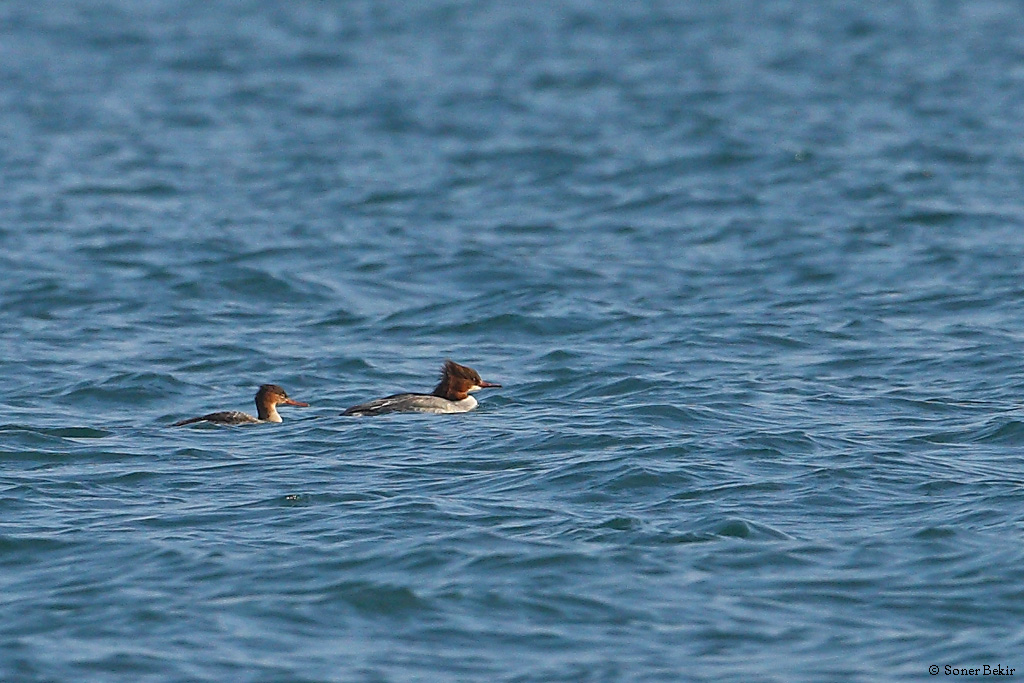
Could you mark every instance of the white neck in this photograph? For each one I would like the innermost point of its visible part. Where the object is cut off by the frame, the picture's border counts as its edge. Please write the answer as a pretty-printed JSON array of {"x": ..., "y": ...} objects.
[{"x": 466, "y": 404}]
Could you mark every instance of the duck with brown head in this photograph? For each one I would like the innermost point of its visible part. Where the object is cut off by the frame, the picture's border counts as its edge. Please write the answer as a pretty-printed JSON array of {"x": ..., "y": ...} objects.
[
  {"x": 451, "y": 395},
  {"x": 267, "y": 399}
]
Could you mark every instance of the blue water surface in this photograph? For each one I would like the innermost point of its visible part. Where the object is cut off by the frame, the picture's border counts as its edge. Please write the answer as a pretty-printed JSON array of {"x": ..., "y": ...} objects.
[{"x": 750, "y": 274}]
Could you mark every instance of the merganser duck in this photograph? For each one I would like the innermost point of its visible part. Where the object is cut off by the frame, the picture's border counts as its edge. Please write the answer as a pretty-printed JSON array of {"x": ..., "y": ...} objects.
[
  {"x": 267, "y": 399},
  {"x": 451, "y": 395}
]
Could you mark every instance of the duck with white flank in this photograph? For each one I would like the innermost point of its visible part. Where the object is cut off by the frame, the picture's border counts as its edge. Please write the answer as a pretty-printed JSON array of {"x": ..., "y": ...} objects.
[
  {"x": 267, "y": 399},
  {"x": 451, "y": 395}
]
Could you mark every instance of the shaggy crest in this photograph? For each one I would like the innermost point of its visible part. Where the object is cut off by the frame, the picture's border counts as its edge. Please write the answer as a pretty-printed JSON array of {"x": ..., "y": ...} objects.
[
  {"x": 457, "y": 381},
  {"x": 453, "y": 369}
]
